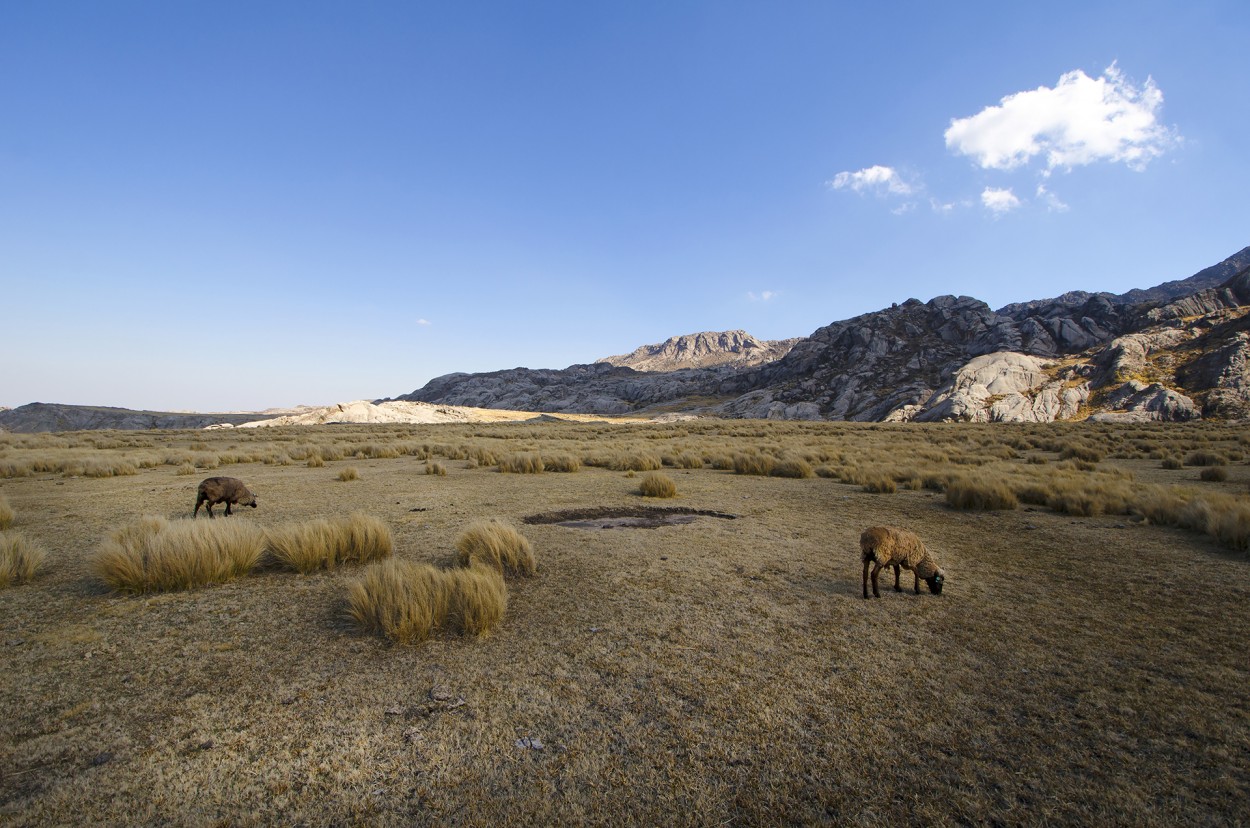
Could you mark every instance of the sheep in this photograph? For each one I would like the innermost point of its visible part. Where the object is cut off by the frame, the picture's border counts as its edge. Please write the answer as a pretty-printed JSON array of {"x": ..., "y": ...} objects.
[
  {"x": 901, "y": 549},
  {"x": 227, "y": 490}
]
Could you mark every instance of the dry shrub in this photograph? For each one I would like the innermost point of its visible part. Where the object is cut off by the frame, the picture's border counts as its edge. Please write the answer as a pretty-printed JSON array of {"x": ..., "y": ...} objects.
[
  {"x": 435, "y": 468},
  {"x": 349, "y": 473},
  {"x": 407, "y": 601},
  {"x": 156, "y": 555},
  {"x": 655, "y": 484},
  {"x": 523, "y": 463},
  {"x": 6, "y": 513},
  {"x": 793, "y": 467},
  {"x": 326, "y": 543},
  {"x": 1205, "y": 458},
  {"x": 186, "y": 469},
  {"x": 1171, "y": 463},
  {"x": 980, "y": 495},
  {"x": 20, "y": 558},
  {"x": 1214, "y": 474},
  {"x": 1036, "y": 460},
  {"x": 315, "y": 461},
  {"x": 498, "y": 545}
]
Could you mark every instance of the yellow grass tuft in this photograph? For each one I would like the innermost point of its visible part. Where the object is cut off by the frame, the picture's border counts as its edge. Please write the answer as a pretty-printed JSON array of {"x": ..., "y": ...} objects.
[
  {"x": 478, "y": 598},
  {"x": 655, "y": 484},
  {"x": 980, "y": 494},
  {"x": 6, "y": 513},
  {"x": 407, "y": 601},
  {"x": 186, "y": 468},
  {"x": 157, "y": 555},
  {"x": 498, "y": 545},
  {"x": 435, "y": 468},
  {"x": 20, "y": 558},
  {"x": 524, "y": 463},
  {"x": 324, "y": 544},
  {"x": 349, "y": 473}
]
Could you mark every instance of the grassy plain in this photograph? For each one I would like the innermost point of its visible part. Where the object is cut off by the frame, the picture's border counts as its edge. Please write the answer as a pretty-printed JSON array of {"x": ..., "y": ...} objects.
[{"x": 1086, "y": 663}]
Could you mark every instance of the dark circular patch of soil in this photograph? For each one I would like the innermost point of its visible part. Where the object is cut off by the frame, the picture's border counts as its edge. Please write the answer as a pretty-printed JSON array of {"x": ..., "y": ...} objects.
[{"x": 624, "y": 517}]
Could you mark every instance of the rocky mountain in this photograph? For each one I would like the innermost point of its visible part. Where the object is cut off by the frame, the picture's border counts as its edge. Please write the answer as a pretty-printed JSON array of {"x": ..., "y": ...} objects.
[
  {"x": 703, "y": 350},
  {"x": 57, "y": 417},
  {"x": 948, "y": 358}
]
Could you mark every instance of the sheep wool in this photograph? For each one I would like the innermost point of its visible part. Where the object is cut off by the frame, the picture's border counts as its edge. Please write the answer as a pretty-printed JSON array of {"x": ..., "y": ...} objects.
[{"x": 888, "y": 545}]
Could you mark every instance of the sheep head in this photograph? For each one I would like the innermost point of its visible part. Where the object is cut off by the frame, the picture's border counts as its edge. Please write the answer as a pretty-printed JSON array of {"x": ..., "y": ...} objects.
[{"x": 935, "y": 583}]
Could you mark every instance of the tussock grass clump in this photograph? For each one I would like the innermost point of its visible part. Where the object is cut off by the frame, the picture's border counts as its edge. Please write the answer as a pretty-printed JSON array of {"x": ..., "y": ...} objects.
[
  {"x": 20, "y": 559},
  {"x": 348, "y": 474},
  {"x": 436, "y": 468},
  {"x": 1214, "y": 474},
  {"x": 326, "y": 543},
  {"x": 315, "y": 461},
  {"x": 793, "y": 467},
  {"x": 1171, "y": 463},
  {"x": 1205, "y": 458},
  {"x": 185, "y": 469},
  {"x": 635, "y": 462},
  {"x": 158, "y": 555},
  {"x": 497, "y": 545},
  {"x": 97, "y": 467},
  {"x": 878, "y": 482},
  {"x": 478, "y": 598},
  {"x": 401, "y": 600},
  {"x": 1080, "y": 451},
  {"x": 562, "y": 462},
  {"x": 522, "y": 463},
  {"x": 981, "y": 495},
  {"x": 6, "y": 513},
  {"x": 407, "y": 601},
  {"x": 761, "y": 464},
  {"x": 655, "y": 484}
]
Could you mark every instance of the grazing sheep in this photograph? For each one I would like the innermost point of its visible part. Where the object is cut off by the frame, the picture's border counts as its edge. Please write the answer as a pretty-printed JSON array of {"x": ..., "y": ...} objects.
[
  {"x": 227, "y": 490},
  {"x": 888, "y": 546}
]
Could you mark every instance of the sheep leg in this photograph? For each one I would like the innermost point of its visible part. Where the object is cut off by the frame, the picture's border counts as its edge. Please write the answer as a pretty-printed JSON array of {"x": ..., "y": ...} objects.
[
  {"x": 917, "y": 584},
  {"x": 227, "y": 508},
  {"x": 198, "y": 501},
  {"x": 897, "y": 572},
  {"x": 208, "y": 506},
  {"x": 876, "y": 593},
  {"x": 866, "y": 564}
]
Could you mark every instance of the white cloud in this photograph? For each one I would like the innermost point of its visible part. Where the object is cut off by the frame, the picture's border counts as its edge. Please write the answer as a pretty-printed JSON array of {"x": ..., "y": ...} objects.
[
  {"x": 423, "y": 322},
  {"x": 763, "y": 296},
  {"x": 1053, "y": 202},
  {"x": 876, "y": 179},
  {"x": 999, "y": 201},
  {"x": 1082, "y": 120}
]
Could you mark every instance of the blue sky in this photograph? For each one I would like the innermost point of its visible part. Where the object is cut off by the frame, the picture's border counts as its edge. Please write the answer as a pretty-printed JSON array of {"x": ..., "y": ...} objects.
[{"x": 223, "y": 206}]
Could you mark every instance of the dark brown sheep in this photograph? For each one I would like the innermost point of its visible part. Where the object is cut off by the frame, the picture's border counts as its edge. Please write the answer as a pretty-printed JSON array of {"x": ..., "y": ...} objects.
[{"x": 227, "y": 490}]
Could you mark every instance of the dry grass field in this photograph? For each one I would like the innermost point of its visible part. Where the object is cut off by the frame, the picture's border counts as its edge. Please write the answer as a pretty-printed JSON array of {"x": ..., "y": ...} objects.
[{"x": 1086, "y": 663}]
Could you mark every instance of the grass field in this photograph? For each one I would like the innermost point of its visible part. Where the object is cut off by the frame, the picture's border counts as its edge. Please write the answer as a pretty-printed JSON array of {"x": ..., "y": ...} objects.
[{"x": 1086, "y": 663}]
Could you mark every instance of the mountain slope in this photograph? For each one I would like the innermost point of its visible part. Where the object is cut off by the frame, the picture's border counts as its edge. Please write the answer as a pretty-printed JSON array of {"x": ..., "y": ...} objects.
[{"x": 703, "y": 350}]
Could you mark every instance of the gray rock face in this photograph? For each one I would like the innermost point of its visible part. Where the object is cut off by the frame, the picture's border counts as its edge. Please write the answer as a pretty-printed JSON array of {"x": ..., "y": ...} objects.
[
  {"x": 703, "y": 350},
  {"x": 1138, "y": 402}
]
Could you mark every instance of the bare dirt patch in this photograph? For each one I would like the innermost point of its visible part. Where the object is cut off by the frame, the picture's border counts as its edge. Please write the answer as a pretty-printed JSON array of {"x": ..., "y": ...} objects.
[{"x": 625, "y": 517}]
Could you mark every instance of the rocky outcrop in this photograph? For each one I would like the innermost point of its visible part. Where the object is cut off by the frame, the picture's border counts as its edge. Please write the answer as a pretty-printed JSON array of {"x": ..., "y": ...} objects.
[
  {"x": 1004, "y": 387},
  {"x": 703, "y": 350}
]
